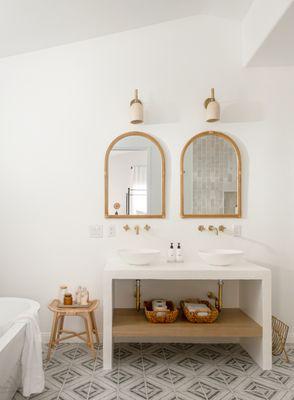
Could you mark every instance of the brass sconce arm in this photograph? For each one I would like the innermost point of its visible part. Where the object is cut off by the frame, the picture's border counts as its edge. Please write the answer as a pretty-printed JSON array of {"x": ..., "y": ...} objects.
[{"x": 209, "y": 99}]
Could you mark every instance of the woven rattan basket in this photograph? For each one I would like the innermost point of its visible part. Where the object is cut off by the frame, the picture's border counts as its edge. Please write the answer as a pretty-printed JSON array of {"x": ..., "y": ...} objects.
[
  {"x": 161, "y": 317},
  {"x": 194, "y": 317}
]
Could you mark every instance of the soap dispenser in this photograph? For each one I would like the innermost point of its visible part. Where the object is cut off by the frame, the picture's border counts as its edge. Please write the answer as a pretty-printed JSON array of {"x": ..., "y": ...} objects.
[
  {"x": 171, "y": 253},
  {"x": 179, "y": 254}
]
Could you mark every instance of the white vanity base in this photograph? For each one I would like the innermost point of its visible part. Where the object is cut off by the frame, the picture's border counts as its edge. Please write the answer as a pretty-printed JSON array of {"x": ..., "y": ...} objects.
[{"x": 250, "y": 323}]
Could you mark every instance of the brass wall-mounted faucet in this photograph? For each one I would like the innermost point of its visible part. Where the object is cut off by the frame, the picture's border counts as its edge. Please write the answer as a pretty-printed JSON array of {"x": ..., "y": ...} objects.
[
  {"x": 137, "y": 228},
  {"x": 212, "y": 228}
]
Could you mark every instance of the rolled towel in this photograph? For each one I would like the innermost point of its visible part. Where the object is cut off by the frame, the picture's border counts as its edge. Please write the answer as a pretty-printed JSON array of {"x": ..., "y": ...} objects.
[
  {"x": 160, "y": 308},
  {"x": 159, "y": 305},
  {"x": 202, "y": 314},
  {"x": 197, "y": 307}
]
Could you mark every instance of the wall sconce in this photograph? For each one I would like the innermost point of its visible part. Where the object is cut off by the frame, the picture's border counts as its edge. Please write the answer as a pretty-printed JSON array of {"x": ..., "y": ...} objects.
[
  {"x": 136, "y": 110},
  {"x": 212, "y": 108}
]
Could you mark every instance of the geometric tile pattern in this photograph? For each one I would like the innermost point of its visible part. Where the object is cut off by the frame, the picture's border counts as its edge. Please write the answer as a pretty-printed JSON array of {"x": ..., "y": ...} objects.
[{"x": 176, "y": 371}]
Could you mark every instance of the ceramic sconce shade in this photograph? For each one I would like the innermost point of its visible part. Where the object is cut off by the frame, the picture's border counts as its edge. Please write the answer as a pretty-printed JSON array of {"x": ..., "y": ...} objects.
[
  {"x": 136, "y": 110},
  {"x": 213, "y": 112},
  {"x": 212, "y": 108}
]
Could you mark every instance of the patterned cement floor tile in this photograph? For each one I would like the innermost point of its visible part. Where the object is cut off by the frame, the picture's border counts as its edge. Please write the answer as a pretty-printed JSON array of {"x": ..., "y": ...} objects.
[
  {"x": 196, "y": 390},
  {"x": 215, "y": 377},
  {"x": 209, "y": 354},
  {"x": 164, "y": 372},
  {"x": 279, "y": 379},
  {"x": 231, "y": 377},
  {"x": 188, "y": 364},
  {"x": 156, "y": 391},
  {"x": 258, "y": 389},
  {"x": 88, "y": 365},
  {"x": 18, "y": 396},
  {"x": 152, "y": 364},
  {"x": 161, "y": 378},
  {"x": 51, "y": 395},
  {"x": 90, "y": 390},
  {"x": 135, "y": 389},
  {"x": 134, "y": 364}
]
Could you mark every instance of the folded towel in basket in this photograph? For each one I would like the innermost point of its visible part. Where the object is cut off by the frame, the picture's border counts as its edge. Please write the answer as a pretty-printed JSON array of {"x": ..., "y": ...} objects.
[
  {"x": 198, "y": 307},
  {"x": 159, "y": 305}
]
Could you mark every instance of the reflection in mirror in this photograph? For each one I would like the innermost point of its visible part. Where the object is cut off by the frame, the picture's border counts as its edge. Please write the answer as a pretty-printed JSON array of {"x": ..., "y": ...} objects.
[
  {"x": 135, "y": 177},
  {"x": 211, "y": 177}
]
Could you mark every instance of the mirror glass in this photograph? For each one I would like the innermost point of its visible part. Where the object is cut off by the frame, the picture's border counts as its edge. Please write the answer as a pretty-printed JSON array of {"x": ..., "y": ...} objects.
[
  {"x": 211, "y": 179},
  {"x": 135, "y": 177}
]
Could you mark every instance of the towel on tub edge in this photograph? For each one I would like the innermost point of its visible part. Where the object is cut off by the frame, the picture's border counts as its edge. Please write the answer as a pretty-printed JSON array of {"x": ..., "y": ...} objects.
[{"x": 32, "y": 372}]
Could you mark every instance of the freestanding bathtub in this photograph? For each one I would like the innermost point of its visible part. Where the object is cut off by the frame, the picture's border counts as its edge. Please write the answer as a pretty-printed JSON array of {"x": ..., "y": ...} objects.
[{"x": 12, "y": 334}]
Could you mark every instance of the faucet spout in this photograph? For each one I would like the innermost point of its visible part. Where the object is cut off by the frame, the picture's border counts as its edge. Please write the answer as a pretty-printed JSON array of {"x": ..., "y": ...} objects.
[{"x": 137, "y": 229}]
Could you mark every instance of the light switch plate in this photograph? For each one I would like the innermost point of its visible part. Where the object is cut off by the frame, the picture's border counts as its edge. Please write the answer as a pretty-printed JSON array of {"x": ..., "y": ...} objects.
[
  {"x": 96, "y": 231},
  {"x": 237, "y": 230},
  {"x": 111, "y": 231}
]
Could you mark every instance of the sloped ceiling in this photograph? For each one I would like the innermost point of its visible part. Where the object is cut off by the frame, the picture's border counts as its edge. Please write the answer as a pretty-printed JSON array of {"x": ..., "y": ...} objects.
[{"x": 29, "y": 25}]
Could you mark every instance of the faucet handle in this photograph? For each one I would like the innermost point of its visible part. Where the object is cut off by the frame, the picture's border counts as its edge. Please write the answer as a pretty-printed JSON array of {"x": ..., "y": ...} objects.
[
  {"x": 201, "y": 228},
  {"x": 126, "y": 227},
  {"x": 147, "y": 227},
  {"x": 221, "y": 228}
]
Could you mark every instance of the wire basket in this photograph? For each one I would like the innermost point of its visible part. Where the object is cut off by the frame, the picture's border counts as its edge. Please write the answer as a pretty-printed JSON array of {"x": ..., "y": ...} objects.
[{"x": 279, "y": 337}]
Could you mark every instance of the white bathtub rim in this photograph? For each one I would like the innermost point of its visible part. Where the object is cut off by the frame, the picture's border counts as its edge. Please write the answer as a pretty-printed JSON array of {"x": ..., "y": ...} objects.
[{"x": 14, "y": 328}]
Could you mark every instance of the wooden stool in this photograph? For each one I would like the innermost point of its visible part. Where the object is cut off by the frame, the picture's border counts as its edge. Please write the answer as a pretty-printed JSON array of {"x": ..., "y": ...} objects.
[{"x": 87, "y": 313}]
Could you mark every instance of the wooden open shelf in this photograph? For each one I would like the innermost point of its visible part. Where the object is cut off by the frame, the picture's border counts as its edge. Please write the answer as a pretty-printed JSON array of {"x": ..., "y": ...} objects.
[{"x": 232, "y": 322}]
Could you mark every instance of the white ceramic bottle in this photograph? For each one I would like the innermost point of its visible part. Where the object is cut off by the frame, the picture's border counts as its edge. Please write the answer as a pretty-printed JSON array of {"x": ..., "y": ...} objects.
[
  {"x": 179, "y": 254},
  {"x": 78, "y": 295},
  {"x": 171, "y": 257},
  {"x": 61, "y": 293},
  {"x": 84, "y": 297}
]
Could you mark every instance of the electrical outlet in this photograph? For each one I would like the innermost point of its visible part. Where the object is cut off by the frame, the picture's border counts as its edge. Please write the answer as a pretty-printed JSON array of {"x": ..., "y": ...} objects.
[
  {"x": 96, "y": 231},
  {"x": 111, "y": 231},
  {"x": 237, "y": 230}
]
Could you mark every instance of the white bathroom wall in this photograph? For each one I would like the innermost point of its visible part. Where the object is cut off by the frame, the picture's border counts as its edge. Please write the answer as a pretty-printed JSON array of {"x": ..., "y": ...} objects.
[{"x": 59, "y": 110}]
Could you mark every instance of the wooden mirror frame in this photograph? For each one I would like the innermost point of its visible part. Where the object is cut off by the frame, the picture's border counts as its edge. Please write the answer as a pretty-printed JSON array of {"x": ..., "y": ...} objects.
[
  {"x": 106, "y": 162},
  {"x": 239, "y": 170}
]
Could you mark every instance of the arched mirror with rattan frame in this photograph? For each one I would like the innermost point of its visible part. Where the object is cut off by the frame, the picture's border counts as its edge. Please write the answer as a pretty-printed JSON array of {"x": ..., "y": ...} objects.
[
  {"x": 238, "y": 211},
  {"x": 106, "y": 176}
]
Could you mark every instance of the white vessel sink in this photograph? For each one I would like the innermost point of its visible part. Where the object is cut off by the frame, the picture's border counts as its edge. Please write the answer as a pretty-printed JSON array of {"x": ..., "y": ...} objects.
[
  {"x": 138, "y": 256},
  {"x": 221, "y": 257}
]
